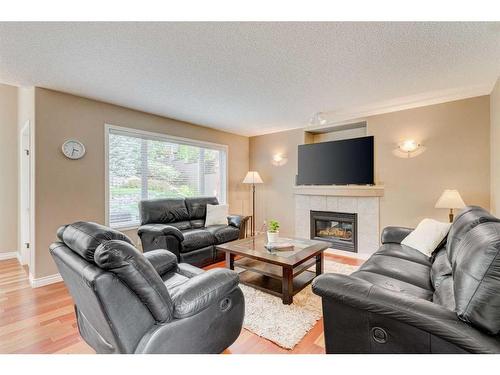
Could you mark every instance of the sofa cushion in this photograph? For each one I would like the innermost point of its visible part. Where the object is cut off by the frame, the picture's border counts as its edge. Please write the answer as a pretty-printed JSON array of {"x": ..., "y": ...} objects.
[
  {"x": 163, "y": 211},
  {"x": 181, "y": 225},
  {"x": 224, "y": 233},
  {"x": 197, "y": 223},
  {"x": 476, "y": 276},
  {"x": 400, "y": 269},
  {"x": 469, "y": 218},
  {"x": 404, "y": 252},
  {"x": 444, "y": 294},
  {"x": 196, "y": 239},
  {"x": 174, "y": 279},
  {"x": 188, "y": 270},
  {"x": 197, "y": 207},
  {"x": 84, "y": 237},
  {"x": 441, "y": 268}
]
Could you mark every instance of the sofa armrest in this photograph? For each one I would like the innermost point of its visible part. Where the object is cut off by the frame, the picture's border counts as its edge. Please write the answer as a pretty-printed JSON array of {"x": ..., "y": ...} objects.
[
  {"x": 240, "y": 222},
  {"x": 162, "y": 260},
  {"x": 161, "y": 236},
  {"x": 395, "y": 234},
  {"x": 188, "y": 270},
  {"x": 202, "y": 290},
  {"x": 425, "y": 315},
  {"x": 237, "y": 220},
  {"x": 161, "y": 230}
]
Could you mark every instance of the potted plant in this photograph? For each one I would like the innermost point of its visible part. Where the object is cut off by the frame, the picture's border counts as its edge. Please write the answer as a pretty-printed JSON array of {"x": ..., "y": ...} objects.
[{"x": 273, "y": 231}]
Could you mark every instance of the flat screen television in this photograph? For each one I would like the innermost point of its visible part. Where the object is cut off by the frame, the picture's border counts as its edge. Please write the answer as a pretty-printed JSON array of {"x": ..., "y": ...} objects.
[{"x": 343, "y": 162}]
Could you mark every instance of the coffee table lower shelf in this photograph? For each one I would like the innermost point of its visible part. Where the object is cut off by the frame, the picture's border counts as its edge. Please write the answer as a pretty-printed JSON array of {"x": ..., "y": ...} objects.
[
  {"x": 283, "y": 274},
  {"x": 273, "y": 285}
]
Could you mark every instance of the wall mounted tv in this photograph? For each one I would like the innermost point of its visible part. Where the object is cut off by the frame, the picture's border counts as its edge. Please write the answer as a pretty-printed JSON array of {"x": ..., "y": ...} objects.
[{"x": 343, "y": 162}]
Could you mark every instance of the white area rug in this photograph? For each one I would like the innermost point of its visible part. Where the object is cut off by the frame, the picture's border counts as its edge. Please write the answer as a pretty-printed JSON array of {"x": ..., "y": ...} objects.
[{"x": 286, "y": 325}]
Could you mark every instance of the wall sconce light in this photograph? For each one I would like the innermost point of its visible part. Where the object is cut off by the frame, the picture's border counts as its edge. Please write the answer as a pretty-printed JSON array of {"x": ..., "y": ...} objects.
[
  {"x": 409, "y": 148},
  {"x": 279, "y": 160}
]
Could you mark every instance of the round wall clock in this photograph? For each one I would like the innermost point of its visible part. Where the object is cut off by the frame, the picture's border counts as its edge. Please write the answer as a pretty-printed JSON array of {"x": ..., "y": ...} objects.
[{"x": 73, "y": 149}]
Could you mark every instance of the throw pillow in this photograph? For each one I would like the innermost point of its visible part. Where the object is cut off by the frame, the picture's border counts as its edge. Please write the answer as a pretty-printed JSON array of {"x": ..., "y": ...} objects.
[
  {"x": 427, "y": 236},
  {"x": 216, "y": 214}
]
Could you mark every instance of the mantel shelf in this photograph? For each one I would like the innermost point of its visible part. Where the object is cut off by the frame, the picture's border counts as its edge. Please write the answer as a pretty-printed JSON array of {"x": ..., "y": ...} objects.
[{"x": 341, "y": 190}]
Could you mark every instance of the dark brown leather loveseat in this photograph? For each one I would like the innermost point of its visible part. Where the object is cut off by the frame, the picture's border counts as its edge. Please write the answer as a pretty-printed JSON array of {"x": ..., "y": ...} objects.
[{"x": 178, "y": 225}]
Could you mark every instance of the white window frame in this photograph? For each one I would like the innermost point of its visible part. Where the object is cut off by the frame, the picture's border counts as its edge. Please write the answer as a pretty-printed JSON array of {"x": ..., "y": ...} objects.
[{"x": 159, "y": 137}]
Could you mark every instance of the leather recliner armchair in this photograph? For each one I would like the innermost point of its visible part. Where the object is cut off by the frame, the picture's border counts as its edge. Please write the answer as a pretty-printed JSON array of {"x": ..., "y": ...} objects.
[
  {"x": 178, "y": 225},
  {"x": 129, "y": 302},
  {"x": 401, "y": 301}
]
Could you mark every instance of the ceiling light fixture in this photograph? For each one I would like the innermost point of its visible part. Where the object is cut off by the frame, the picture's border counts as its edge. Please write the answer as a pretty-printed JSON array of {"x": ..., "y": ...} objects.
[{"x": 318, "y": 119}]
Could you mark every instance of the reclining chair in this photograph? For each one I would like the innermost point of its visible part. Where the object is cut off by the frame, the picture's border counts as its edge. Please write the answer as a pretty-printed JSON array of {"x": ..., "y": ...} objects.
[{"x": 129, "y": 302}]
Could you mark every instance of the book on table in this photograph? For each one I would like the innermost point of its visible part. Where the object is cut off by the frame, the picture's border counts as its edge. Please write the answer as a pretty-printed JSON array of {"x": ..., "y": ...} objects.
[{"x": 279, "y": 246}]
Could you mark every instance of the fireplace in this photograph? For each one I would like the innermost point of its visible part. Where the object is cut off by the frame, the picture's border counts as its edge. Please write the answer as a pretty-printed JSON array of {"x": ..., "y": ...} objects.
[{"x": 338, "y": 228}]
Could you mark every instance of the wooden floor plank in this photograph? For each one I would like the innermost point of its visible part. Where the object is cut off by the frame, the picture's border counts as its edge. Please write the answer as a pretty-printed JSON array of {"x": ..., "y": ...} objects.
[{"x": 42, "y": 320}]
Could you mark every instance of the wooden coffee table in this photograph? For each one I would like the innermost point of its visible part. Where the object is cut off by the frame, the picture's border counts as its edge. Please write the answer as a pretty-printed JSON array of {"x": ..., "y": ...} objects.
[{"x": 281, "y": 273}]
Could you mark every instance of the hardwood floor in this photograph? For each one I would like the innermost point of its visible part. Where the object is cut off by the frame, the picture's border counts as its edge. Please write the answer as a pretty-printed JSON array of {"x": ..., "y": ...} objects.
[{"x": 42, "y": 320}]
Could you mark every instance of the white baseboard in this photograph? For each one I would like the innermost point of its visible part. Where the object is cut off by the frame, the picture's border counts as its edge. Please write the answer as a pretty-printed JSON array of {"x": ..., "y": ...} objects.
[
  {"x": 46, "y": 280},
  {"x": 9, "y": 255}
]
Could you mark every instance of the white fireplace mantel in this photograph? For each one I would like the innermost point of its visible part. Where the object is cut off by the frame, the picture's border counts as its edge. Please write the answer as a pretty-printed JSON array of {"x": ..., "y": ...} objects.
[{"x": 341, "y": 190}]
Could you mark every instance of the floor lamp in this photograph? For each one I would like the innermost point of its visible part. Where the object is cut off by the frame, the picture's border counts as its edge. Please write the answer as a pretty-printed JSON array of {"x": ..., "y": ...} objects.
[{"x": 253, "y": 178}]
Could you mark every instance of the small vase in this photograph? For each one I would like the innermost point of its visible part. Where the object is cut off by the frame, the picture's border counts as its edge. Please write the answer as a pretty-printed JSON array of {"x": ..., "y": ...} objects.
[{"x": 272, "y": 237}]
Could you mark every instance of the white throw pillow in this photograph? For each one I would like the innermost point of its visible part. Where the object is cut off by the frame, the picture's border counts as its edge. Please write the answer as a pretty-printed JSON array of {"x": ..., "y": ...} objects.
[
  {"x": 216, "y": 214},
  {"x": 427, "y": 236}
]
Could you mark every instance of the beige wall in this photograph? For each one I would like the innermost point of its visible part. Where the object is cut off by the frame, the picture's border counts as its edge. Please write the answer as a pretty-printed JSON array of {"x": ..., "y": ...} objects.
[
  {"x": 68, "y": 190},
  {"x": 274, "y": 199},
  {"x": 8, "y": 168},
  {"x": 456, "y": 135},
  {"x": 26, "y": 105},
  {"x": 495, "y": 148}
]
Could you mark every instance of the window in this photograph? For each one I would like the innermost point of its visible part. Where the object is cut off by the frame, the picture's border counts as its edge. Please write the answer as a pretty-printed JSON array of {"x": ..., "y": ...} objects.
[{"x": 143, "y": 165}]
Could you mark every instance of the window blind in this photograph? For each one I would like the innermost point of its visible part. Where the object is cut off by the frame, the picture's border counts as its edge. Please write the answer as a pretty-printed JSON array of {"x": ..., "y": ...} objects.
[{"x": 147, "y": 166}]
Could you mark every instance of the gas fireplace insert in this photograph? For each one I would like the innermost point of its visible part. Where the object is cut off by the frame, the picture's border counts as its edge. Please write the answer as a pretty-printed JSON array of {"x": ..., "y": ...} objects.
[{"x": 338, "y": 228}]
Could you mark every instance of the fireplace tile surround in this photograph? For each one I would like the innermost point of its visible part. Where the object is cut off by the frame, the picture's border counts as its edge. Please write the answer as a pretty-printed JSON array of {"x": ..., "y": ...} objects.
[{"x": 366, "y": 207}]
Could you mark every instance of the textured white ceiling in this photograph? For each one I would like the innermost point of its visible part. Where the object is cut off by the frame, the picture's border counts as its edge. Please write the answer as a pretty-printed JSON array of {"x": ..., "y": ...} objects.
[{"x": 249, "y": 78}]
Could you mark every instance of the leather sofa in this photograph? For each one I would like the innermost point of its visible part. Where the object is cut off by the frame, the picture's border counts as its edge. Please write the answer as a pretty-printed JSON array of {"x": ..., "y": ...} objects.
[
  {"x": 179, "y": 226},
  {"x": 401, "y": 301},
  {"x": 129, "y": 302}
]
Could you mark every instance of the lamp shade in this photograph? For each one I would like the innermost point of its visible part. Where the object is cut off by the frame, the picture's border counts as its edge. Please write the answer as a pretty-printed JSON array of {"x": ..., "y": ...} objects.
[
  {"x": 450, "y": 199},
  {"x": 252, "y": 177}
]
